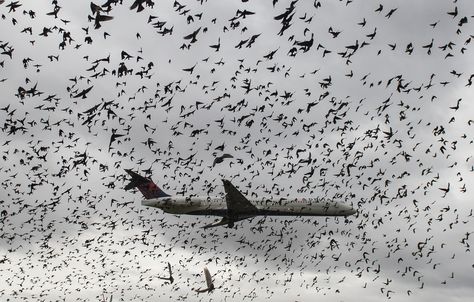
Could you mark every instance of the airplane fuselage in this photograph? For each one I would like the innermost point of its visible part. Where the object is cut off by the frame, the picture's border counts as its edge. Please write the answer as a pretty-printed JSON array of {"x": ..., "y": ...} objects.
[{"x": 209, "y": 205}]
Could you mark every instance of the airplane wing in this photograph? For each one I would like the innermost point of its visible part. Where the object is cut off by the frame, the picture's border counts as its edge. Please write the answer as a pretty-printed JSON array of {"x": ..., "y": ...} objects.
[
  {"x": 236, "y": 202},
  {"x": 238, "y": 207},
  {"x": 207, "y": 276}
]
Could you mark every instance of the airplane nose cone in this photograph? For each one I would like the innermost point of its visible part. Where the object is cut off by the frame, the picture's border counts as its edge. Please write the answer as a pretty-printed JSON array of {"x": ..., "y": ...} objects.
[{"x": 349, "y": 210}]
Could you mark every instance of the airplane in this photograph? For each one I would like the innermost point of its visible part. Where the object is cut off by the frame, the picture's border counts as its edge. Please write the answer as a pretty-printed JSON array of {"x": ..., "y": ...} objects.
[{"x": 234, "y": 206}]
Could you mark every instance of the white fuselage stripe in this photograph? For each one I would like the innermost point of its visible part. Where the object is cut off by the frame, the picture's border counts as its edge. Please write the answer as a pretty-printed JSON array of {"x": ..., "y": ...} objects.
[{"x": 209, "y": 205}]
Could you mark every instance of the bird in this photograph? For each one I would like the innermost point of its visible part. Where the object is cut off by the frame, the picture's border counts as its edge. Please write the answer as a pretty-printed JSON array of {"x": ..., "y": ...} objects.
[
  {"x": 138, "y": 4},
  {"x": 170, "y": 278},
  {"x": 192, "y": 36},
  {"x": 98, "y": 18},
  {"x": 220, "y": 159},
  {"x": 209, "y": 283},
  {"x": 83, "y": 93}
]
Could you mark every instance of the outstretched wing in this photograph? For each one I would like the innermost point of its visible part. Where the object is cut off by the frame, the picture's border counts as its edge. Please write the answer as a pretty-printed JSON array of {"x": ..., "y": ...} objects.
[
  {"x": 237, "y": 204},
  {"x": 238, "y": 207},
  {"x": 207, "y": 276}
]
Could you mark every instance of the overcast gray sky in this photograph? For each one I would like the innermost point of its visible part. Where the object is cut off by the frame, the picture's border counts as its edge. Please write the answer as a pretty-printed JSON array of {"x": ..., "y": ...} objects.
[{"x": 375, "y": 95}]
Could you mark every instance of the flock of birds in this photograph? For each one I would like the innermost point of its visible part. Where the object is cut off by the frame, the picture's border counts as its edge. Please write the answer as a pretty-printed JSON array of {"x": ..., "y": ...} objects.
[{"x": 281, "y": 97}]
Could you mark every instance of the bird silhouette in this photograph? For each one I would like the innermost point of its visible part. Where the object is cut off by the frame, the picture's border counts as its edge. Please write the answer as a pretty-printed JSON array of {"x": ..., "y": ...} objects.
[{"x": 170, "y": 278}]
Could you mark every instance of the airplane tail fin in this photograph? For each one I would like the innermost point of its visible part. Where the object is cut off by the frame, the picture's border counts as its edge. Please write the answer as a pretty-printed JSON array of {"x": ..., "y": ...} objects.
[{"x": 145, "y": 185}]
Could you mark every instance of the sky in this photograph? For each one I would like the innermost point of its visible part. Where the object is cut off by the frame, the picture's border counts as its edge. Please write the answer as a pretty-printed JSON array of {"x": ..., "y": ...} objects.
[{"x": 367, "y": 103}]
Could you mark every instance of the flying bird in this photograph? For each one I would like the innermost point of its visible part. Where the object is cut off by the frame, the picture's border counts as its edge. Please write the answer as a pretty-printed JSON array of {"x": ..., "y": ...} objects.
[
  {"x": 220, "y": 159},
  {"x": 209, "y": 283},
  {"x": 83, "y": 93},
  {"x": 192, "y": 36},
  {"x": 170, "y": 278}
]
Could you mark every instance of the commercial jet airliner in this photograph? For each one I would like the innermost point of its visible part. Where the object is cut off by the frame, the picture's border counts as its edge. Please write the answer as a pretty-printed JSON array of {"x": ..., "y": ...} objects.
[{"x": 234, "y": 206}]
